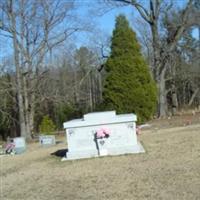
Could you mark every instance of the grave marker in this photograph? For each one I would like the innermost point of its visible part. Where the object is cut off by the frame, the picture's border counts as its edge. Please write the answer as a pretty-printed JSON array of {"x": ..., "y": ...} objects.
[{"x": 101, "y": 134}]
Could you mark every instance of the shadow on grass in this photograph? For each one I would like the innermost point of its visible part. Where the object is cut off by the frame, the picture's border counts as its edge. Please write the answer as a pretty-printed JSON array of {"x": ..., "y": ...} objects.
[{"x": 60, "y": 153}]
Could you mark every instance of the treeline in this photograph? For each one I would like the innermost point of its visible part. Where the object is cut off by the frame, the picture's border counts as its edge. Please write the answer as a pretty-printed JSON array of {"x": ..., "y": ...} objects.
[
  {"x": 67, "y": 88},
  {"x": 40, "y": 78}
]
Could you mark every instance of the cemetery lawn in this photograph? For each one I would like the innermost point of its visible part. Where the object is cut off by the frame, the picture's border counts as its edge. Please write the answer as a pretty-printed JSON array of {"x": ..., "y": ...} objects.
[{"x": 170, "y": 169}]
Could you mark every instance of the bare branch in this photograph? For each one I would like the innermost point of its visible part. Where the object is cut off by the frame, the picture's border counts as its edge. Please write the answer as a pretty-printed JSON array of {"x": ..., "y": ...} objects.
[{"x": 141, "y": 9}]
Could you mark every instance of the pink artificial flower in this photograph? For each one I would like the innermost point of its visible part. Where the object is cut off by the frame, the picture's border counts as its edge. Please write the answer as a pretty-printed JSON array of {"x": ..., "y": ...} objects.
[
  {"x": 100, "y": 133},
  {"x": 103, "y": 132},
  {"x": 9, "y": 146},
  {"x": 106, "y": 131}
]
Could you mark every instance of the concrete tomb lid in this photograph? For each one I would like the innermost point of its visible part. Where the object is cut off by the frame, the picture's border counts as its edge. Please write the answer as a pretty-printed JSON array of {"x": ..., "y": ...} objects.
[{"x": 100, "y": 118}]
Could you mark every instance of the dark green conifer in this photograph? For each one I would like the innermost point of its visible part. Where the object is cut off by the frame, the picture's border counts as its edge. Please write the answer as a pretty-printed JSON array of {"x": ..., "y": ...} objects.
[{"x": 128, "y": 85}]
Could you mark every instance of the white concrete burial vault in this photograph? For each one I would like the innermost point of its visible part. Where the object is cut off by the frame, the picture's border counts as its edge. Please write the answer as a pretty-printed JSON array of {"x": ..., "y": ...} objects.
[{"x": 101, "y": 134}]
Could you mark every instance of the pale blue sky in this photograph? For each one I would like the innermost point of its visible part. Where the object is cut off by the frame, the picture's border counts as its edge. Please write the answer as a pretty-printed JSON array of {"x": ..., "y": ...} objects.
[
  {"x": 103, "y": 24},
  {"x": 106, "y": 22}
]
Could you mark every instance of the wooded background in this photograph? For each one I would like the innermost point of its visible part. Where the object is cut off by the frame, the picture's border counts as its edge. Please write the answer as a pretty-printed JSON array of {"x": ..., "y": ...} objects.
[{"x": 46, "y": 74}]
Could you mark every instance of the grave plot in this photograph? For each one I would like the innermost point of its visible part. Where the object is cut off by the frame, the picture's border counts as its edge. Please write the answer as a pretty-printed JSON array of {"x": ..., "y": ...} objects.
[{"x": 101, "y": 134}]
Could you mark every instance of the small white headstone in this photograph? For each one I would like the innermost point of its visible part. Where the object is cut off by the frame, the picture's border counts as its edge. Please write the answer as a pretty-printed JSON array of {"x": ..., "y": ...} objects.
[
  {"x": 20, "y": 144},
  {"x": 47, "y": 140}
]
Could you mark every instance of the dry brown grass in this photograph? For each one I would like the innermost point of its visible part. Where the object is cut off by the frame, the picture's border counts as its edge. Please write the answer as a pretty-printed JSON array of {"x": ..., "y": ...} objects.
[{"x": 170, "y": 169}]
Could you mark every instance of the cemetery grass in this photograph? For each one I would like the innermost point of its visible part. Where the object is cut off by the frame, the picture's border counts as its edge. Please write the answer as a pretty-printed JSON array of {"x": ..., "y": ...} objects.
[{"x": 170, "y": 169}]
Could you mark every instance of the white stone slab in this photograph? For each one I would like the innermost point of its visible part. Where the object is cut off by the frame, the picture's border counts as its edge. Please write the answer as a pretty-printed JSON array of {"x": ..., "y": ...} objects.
[{"x": 97, "y": 118}]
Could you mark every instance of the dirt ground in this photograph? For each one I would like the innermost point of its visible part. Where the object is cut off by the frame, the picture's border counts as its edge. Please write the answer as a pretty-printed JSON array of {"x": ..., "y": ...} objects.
[{"x": 170, "y": 169}]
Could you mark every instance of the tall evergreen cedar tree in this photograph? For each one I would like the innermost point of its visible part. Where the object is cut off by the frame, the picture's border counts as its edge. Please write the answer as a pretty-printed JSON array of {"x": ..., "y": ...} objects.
[{"x": 128, "y": 86}]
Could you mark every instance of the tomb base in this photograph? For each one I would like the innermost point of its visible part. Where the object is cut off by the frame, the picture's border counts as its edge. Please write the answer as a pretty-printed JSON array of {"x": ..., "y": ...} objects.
[{"x": 138, "y": 148}]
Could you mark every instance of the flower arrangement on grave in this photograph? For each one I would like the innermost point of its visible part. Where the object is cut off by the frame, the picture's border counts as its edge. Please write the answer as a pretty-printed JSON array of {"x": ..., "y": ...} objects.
[
  {"x": 10, "y": 148},
  {"x": 103, "y": 133}
]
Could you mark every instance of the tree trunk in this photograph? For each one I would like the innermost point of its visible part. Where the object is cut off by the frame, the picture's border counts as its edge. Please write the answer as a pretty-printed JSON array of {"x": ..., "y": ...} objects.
[
  {"x": 162, "y": 95},
  {"x": 32, "y": 111},
  {"x": 90, "y": 92},
  {"x": 156, "y": 51},
  {"x": 18, "y": 77},
  {"x": 100, "y": 90},
  {"x": 174, "y": 98},
  {"x": 76, "y": 88},
  {"x": 193, "y": 96},
  {"x": 31, "y": 120},
  {"x": 159, "y": 76},
  {"x": 174, "y": 102},
  {"x": 27, "y": 110}
]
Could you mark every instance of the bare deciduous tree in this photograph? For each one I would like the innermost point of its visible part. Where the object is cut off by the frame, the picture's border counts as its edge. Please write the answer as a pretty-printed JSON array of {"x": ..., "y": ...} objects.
[
  {"x": 163, "y": 47},
  {"x": 35, "y": 28}
]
